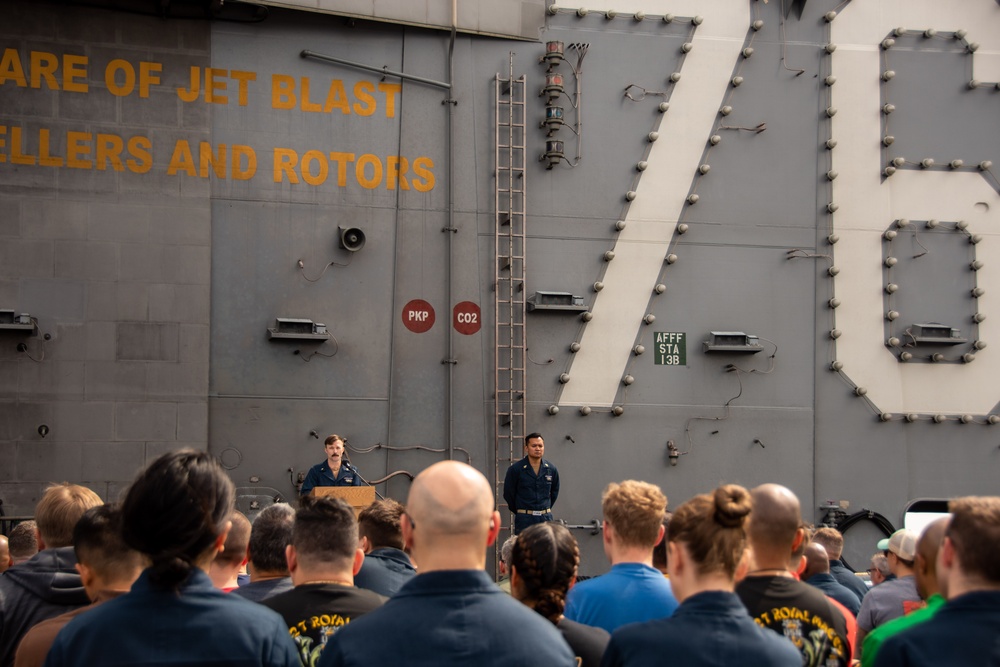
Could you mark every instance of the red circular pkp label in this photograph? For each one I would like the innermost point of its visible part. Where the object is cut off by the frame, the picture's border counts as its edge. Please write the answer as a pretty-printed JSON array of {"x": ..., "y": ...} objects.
[
  {"x": 466, "y": 318},
  {"x": 418, "y": 316}
]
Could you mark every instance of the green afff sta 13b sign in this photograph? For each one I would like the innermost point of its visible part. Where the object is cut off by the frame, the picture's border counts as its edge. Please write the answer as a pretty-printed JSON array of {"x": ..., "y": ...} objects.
[{"x": 671, "y": 348}]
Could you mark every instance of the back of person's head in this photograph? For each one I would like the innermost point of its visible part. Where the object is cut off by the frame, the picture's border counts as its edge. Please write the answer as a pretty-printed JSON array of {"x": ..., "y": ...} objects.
[
  {"x": 237, "y": 540},
  {"x": 325, "y": 532},
  {"x": 545, "y": 557},
  {"x": 379, "y": 522},
  {"x": 451, "y": 501},
  {"x": 22, "y": 542},
  {"x": 712, "y": 528},
  {"x": 881, "y": 564},
  {"x": 831, "y": 539},
  {"x": 817, "y": 560},
  {"x": 776, "y": 517},
  {"x": 506, "y": 549},
  {"x": 660, "y": 550},
  {"x": 974, "y": 531},
  {"x": 98, "y": 544},
  {"x": 175, "y": 511},
  {"x": 925, "y": 566},
  {"x": 60, "y": 508},
  {"x": 270, "y": 534},
  {"x": 635, "y": 511}
]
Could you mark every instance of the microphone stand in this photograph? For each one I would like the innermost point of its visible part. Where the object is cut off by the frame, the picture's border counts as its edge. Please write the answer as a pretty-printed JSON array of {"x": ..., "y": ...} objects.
[{"x": 347, "y": 463}]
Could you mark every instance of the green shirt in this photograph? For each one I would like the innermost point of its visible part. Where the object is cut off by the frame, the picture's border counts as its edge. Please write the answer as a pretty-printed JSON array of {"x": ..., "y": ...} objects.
[{"x": 877, "y": 637}]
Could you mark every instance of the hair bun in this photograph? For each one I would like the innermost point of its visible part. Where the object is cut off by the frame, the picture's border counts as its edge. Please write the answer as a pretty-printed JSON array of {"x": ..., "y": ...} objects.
[{"x": 732, "y": 505}]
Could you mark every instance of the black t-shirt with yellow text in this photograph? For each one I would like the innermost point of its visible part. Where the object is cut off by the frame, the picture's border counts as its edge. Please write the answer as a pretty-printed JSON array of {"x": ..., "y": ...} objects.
[
  {"x": 315, "y": 612},
  {"x": 802, "y": 614}
]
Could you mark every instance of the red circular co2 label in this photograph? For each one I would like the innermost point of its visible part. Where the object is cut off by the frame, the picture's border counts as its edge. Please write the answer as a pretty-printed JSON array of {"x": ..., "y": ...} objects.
[
  {"x": 466, "y": 318},
  {"x": 418, "y": 316}
]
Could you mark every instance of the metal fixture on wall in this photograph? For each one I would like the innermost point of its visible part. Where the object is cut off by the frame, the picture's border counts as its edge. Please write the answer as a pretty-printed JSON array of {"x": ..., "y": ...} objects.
[{"x": 554, "y": 114}]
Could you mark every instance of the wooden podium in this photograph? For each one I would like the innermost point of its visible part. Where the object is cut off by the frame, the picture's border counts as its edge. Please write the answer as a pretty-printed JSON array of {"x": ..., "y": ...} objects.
[{"x": 358, "y": 497}]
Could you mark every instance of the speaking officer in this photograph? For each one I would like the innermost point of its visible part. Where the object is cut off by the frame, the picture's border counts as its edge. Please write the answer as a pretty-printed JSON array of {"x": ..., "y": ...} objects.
[
  {"x": 334, "y": 471},
  {"x": 531, "y": 485}
]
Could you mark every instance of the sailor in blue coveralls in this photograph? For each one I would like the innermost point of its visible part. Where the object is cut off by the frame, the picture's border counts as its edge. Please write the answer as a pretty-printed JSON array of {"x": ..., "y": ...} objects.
[
  {"x": 531, "y": 486},
  {"x": 334, "y": 471}
]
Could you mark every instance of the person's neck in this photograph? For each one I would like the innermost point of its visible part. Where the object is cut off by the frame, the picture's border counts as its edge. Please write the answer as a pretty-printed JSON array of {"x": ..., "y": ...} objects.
[
  {"x": 769, "y": 564},
  {"x": 450, "y": 557},
  {"x": 704, "y": 584},
  {"x": 334, "y": 466},
  {"x": 113, "y": 587},
  {"x": 265, "y": 575},
  {"x": 959, "y": 584},
  {"x": 621, "y": 554},
  {"x": 303, "y": 576}
]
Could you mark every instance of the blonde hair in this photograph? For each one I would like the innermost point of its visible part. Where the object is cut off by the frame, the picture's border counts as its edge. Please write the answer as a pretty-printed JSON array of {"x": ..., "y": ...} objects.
[
  {"x": 635, "y": 510},
  {"x": 60, "y": 508}
]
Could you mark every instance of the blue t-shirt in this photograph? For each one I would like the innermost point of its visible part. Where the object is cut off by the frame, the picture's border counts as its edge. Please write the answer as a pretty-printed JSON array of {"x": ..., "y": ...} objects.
[{"x": 629, "y": 593}]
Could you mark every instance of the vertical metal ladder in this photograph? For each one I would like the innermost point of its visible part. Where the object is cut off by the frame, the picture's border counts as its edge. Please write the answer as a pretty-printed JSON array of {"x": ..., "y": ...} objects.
[{"x": 509, "y": 335}]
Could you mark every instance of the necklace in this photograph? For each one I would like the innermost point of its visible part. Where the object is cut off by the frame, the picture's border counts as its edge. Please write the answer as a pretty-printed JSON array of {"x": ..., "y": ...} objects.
[
  {"x": 339, "y": 582},
  {"x": 772, "y": 570}
]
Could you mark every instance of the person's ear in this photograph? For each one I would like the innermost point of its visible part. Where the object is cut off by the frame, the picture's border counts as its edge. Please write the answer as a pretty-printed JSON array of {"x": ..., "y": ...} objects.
[
  {"x": 743, "y": 566},
  {"x": 364, "y": 544},
  {"x": 947, "y": 553},
  {"x": 406, "y": 524},
  {"x": 495, "y": 527},
  {"x": 292, "y": 558},
  {"x": 676, "y": 561},
  {"x": 220, "y": 541},
  {"x": 38, "y": 540},
  {"x": 661, "y": 534},
  {"x": 359, "y": 560},
  {"x": 800, "y": 535},
  {"x": 87, "y": 574}
]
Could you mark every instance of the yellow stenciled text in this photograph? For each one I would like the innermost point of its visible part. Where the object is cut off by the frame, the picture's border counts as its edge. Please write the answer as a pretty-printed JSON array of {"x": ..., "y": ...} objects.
[
  {"x": 367, "y": 170},
  {"x": 84, "y": 150}
]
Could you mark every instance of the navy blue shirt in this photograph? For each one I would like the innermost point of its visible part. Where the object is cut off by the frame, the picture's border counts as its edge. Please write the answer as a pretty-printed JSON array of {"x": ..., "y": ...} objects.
[
  {"x": 710, "y": 629},
  {"x": 321, "y": 475},
  {"x": 153, "y": 626},
  {"x": 847, "y": 578},
  {"x": 524, "y": 490},
  {"x": 384, "y": 571},
  {"x": 963, "y": 632},
  {"x": 445, "y": 618},
  {"x": 836, "y": 590}
]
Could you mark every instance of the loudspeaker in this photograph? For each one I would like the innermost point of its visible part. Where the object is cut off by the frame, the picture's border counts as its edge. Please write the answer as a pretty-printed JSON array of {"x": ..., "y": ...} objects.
[{"x": 352, "y": 239}]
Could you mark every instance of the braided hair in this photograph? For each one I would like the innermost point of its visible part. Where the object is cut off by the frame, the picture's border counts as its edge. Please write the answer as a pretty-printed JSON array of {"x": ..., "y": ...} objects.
[
  {"x": 546, "y": 557},
  {"x": 174, "y": 512}
]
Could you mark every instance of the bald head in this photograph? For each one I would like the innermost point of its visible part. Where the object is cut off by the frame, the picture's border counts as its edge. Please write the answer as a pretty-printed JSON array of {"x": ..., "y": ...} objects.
[
  {"x": 817, "y": 560},
  {"x": 776, "y": 517},
  {"x": 450, "y": 516},
  {"x": 925, "y": 565},
  {"x": 450, "y": 498}
]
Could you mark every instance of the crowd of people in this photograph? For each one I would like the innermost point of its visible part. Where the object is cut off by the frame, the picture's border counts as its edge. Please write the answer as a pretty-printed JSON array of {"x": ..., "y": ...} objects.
[{"x": 739, "y": 579}]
